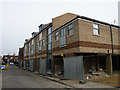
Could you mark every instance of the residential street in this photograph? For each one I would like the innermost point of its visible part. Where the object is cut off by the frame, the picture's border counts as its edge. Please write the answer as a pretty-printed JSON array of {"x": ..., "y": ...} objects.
[{"x": 17, "y": 78}]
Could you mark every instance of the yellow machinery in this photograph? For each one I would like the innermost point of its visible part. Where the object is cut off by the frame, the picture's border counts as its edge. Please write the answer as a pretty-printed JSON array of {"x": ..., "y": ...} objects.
[{"x": 4, "y": 66}]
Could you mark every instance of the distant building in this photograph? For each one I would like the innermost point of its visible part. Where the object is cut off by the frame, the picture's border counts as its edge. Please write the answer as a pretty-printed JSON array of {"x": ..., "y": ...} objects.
[
  {"x": 20, "y": 56},
  {"x": 119, "y": 13},
  {"x": 0, "y": 58},
  {"x": 10, "y": 58}
]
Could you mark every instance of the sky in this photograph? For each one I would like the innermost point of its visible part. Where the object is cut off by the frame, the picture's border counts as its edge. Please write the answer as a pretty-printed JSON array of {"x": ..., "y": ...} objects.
[{"x": 19, "y": 18}]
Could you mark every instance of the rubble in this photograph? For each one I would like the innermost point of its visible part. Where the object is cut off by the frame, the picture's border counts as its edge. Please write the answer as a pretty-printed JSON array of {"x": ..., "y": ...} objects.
[{"x": 96, "y": 75}]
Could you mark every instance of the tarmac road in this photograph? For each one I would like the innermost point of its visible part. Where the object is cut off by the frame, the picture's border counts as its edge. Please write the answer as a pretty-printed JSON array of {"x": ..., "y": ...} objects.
[{"x": 17, "y": 78}]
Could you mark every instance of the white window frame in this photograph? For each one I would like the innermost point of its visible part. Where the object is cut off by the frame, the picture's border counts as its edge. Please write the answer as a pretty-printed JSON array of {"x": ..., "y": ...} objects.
[
  {"x": 70, "y": 29},
  {"x": 29, "y": 49},
  {"x": 96, "y": 29},
  {"x": 63, "y": 36},
  {"x": 56, "y": 35},
  {"x": 40, "y": 45},
  {"x": 43, "y": 42}
]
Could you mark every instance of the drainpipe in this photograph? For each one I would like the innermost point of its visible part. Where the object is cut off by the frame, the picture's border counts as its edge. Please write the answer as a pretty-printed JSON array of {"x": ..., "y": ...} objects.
[{"x": 111, "y": 39}]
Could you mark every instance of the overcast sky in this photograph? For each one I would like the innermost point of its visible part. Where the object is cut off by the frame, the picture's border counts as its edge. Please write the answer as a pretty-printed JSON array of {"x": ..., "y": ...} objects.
[{"x": 19, "y": 18}]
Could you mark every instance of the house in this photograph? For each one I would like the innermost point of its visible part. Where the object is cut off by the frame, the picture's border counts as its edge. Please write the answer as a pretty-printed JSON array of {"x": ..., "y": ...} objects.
[
  {"x": 0, "y": 58},
  {"x": 20, "y": 57},
  {"x": 10, "y": 58},
  {"x": 71, "y": 45}
]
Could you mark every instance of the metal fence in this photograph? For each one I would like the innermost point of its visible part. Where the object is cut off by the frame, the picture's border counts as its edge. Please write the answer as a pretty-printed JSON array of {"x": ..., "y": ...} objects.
[
  {"x": 25, "y": 65},
  {"x": 31, "y": 65},
  {"x": 21, "y": 63},
  {"x": 73, "y": 68},
  {"x": 43, "y": 66}
]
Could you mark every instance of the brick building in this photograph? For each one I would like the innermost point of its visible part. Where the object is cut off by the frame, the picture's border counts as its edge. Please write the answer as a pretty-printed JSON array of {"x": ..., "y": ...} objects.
[
  {"x": 69, "y": 36},
  {"x": 0, "y": 58},
  {"x": 20, "y": 56},
  {"x": 10, "y": 58}
]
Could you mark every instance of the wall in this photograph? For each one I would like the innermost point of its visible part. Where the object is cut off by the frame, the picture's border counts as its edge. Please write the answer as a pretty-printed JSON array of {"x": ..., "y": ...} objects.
[
  {"x": 116, "y": 41},
  {"x": 90, "y": 43},
  {"x": 71, "y": 41},
  {"x": 62, "y": 19}
]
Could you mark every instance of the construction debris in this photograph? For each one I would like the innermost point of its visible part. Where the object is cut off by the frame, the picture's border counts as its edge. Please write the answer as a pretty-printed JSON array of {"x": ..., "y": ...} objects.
[{"x": 96, "y": 75}]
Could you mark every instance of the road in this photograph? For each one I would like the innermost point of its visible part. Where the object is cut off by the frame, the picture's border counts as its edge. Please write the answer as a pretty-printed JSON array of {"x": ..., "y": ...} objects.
[{"x": 17, "y": 78}]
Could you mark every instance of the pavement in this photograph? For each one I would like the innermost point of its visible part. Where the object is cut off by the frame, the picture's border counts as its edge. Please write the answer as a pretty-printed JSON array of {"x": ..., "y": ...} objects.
[{"x": 75, "y": 83}]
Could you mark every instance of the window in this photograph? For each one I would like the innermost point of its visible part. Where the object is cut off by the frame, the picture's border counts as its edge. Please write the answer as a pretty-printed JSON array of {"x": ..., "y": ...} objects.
[
  {"x": 49, "y": 38},
  {"x": 32, "y": 41},
  {"x": 5, "y": 57},
  {"x": 40, "y": 28},
  {"x": 62, "y": 37},
  {"x": 32, "y": 49},
  {"x": 40, "y": 36},
  {"x": 96, "y": 29},
  {"x": 43, "y": 42},
  {"x": 56, "y": 35},
  {"x": 50, "y": 30},
  {"x": 11, "y": 57},
  {"x": 49, "y": 42},
  {"x": 24, "y": 52},
  {"x": 38, "y": 44},
  {"x": 29, "y": 49},
  {"x": 70, "y": 29},
  {"x": 49, "y": 46},
  {"x": 40, "y": 48}
]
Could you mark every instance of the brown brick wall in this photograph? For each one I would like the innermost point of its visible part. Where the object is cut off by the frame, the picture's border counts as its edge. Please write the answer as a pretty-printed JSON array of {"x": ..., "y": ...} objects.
[
  {"x": 44, "y": 33},
  {"x": 71, "y": 41},
  {"x": 86, "y": 33},
  {"x": 61, "y": 20},
  {"x": 103, "y": 40},
  {"x": 86, "y": 47}
]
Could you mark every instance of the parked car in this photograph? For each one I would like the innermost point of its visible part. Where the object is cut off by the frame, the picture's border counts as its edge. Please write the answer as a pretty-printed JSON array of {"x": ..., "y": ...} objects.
[
  {"x": 4, "y": 66},
  {"x": 11, "y": 63}
]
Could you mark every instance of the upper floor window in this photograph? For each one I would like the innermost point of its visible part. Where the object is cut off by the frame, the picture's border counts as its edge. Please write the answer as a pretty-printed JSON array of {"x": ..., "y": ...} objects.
[
  {"x": 50, "y": 30},
  {"x": 40, "y": 28},
  {"x": 62, "y": 37},
  {"x": 43, "y": 42},
  {"x": 11, "y": 57},
  {"x": 49, "y": 38},
  {"x": 40, "y": 48},
  {"x": 32, "y": 41},
  {"x": 96, "y": 29},
  {"x": 29, "y": 49},
  {"x": 40, "y": 36},
  {"x": 70, "y": 29},
  {"x": 37, "y": 44},
  {"x": 32, "y": 49},
  {"x": 5, "y": 57},
  {"x": 56, "y": 35}
]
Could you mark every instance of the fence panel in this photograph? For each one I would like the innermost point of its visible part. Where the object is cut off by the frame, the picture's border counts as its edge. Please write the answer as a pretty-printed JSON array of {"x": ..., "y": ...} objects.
[
  {"x": 31, "y": 65},
  {"x": 73, "y": 68},
  {"x": 43, "y": 66}
]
